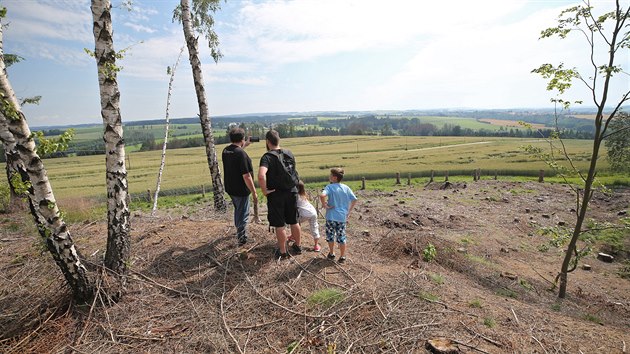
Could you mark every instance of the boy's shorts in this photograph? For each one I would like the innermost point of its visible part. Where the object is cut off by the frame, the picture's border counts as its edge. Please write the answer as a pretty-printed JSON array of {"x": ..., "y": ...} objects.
[
  {"x": 335, "y": 230},
  {"x": 282, "y": 208}
]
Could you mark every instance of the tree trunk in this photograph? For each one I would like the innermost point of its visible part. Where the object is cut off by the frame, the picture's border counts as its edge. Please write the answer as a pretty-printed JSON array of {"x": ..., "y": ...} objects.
[
  {"x": 581, "y": 215},
  {"x": 22, "y": 156},
  {"x": 118, "y": 226},
  {"x": 206, "y": 127},
  {"x": 163, "y": 160}
]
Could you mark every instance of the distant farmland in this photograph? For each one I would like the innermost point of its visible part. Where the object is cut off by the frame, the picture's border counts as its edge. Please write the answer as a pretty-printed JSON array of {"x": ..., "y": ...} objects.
[
  {"x": 362, "y": 156},
  {"x": 510, "y": 123}
]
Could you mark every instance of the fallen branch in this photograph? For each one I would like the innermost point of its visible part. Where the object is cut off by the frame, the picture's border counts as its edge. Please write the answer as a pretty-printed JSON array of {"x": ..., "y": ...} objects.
[
  {"x": 227, "y": 328},
  {"x": 498, "y": 344},
  {"x": 537, "y": 341},
  {"x": 516, "y": 318},
  {"x": 277, "y": 304},
  {"x": 153, "y": 282}
]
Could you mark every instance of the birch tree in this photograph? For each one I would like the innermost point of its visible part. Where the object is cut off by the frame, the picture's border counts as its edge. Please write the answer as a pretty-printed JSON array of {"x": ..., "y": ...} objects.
[
  {"x": 31, "y": 178},
  {"x": 200, "y": 20},
  {"x": 607, "y": 39},
  {"x": 118, "y": 225},
  {"x": 163, "y": 159}
]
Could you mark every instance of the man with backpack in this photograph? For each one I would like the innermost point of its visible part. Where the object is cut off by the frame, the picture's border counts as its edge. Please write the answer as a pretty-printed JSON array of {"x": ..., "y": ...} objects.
[{"x": 278, "y": 178}]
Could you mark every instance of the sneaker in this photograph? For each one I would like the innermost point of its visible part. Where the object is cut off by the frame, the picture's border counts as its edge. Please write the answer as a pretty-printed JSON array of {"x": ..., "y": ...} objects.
[
  {"x": 342, "y": 260},
  {"x": 278, "y": 255},
  {"x": 331, "y": 256},
  {"x": 296, "y": 249},
  {"x": 317, "y": 248},
  {"x": 242, "y": 242}
]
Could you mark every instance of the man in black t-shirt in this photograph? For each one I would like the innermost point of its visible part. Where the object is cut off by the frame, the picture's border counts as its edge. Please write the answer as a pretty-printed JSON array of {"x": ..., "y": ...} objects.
[
  {"x": 238, "y": 180},
  {"x": 281, "y": 203}
]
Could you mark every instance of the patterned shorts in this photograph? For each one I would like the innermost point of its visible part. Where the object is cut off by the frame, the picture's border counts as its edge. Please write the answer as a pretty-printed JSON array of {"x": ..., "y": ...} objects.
[{"x": 335, "y": 230}]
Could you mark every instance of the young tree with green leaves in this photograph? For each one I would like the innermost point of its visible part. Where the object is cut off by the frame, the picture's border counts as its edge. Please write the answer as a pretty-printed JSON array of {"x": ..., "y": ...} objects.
[
  {"x": 31, "y": 179},
  {"x": 118, "y": 224},
  {"x": 200, "y": 20},
  {"x": 607, "y": 37}
]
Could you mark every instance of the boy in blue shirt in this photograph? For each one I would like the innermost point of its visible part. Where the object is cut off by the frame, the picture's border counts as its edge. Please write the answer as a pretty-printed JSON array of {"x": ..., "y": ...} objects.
[{"x": 338, "y": 199}]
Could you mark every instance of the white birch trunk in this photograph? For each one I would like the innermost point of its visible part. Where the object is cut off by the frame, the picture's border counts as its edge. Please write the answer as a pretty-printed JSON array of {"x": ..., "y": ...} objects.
[
  {"x": 168, "y": 104},
  {"x": 206, "y": 127},
  {"x": 118, "y": 225},
  {"x": 22, "y": 156}
]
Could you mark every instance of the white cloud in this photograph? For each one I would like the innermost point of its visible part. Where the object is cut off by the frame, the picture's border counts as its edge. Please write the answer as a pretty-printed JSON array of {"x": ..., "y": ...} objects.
[
  {"x": 42, "y": 20},
  {"x": 139, "y": 28},
  {"x": 293, "y": 31}
]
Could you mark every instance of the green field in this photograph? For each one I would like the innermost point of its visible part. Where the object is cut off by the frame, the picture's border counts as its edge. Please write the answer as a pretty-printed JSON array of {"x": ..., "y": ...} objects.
[{"x": 373, "y": 157}]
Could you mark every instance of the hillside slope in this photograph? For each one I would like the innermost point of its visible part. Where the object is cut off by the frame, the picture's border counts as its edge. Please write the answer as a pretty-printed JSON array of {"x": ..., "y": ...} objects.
[{"x": 193, "y": 290}]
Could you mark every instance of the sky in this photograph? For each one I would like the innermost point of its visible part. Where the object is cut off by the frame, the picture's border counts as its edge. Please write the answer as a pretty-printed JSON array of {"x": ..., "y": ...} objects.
[{"x": 296, "y": 56}]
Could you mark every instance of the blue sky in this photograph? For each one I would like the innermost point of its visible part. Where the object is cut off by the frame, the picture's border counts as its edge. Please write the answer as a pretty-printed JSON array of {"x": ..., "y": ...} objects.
[{"x": 295, "y": 56}]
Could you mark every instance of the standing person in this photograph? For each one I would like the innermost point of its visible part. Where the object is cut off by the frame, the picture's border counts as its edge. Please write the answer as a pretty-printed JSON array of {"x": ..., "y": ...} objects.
[
  {"x": 238, "y": 181},
  {"x": 340, "y": 202},
  {"x": 281, "y": 192},
  {"x": 307, "y": 212}
]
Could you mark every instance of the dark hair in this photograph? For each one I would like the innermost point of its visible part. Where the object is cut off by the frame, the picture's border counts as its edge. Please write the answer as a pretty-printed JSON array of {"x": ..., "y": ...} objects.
[
  {"x": 301, "y": 189},
  {"x": 337, "y": 172},
  {"x": 273, "y": 137},
  {"x": 237, "y": 135}
]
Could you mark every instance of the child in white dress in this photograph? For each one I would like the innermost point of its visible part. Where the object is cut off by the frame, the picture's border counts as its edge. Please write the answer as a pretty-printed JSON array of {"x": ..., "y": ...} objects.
[{"x": 308, "y": 213}]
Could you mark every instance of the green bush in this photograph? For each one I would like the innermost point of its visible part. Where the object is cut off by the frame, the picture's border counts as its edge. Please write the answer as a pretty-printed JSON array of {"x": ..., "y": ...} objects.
[{"x": 5, "y": 197}]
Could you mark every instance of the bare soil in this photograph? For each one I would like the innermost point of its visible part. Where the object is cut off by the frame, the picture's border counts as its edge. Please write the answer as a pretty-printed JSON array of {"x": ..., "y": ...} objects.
[{"x": 191, "y": 289}]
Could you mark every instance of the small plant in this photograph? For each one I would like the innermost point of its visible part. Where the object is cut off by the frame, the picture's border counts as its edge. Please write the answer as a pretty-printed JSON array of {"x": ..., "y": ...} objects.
[
  {"x": 429, "y": 253},
  {"x": 325, "y": 297},
  {"x": 437, "y": 278},
  {"x": 466, "y": 241},
  {"x": 624, "y": 271},
  {"x": 593, "y": 318},
  {"x": 489, "y": 322},
  {"x": 556, "y": 307},
  {"x": 475, "y": 303},
  {"x": 507, "y": 293},
  {"x": 428, "y": 296},
  {"x": 525, "y": 284},
  {"x": 293, "y": 346}
]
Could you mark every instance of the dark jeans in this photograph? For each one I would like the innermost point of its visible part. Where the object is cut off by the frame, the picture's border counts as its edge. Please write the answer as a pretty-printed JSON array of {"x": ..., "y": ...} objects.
[{"x": 241, "y": 215}]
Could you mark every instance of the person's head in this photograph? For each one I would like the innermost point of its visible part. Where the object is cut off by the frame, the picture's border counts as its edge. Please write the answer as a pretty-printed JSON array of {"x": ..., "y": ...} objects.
[
  {"x": 336, "y": 174},
  {"x": 237, "y": 135},
  {"x": 272, "y": 138},
  {"x": 301, "y": 188}
]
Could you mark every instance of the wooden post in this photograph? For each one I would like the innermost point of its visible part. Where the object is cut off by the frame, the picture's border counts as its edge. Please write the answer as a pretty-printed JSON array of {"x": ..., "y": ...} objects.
[
  {"x": 203, "y": 191},
  {"x": 150, "y": 196},
  {"x": 478, "y": 174},
  {"x": 446, "y": 176},
  {"x": 397, "y": 177},
  {"x": 408, "y": 179},
  {"x": 362, "y": 183},
  {"x": 495, "y": 174},
  {"x": 432, "y": 174},
  {"x": 474, "y": 175},
  {"x": 541, "y": 176}
]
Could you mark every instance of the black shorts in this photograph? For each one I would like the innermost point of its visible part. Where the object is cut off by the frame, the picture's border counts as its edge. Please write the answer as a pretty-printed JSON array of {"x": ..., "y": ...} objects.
[{"x": 282, "y": 208}]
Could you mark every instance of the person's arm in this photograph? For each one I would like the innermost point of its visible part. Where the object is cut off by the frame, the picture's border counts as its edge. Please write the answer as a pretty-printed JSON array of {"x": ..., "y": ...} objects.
[
  {"x": 249, "y": 182},
  {"x": 350, "y": 208},
  {"x": 262, "y": 180},
  {"x": 322, "y": 198}
]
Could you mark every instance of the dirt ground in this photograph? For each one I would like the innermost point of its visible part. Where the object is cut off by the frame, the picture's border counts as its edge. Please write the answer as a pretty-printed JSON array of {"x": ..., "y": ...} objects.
[{"x": 191, "y": 289}]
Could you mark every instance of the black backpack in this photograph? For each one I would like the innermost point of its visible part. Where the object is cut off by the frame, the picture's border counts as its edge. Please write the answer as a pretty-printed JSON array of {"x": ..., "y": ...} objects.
[{"x": 288, "y": 178}]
